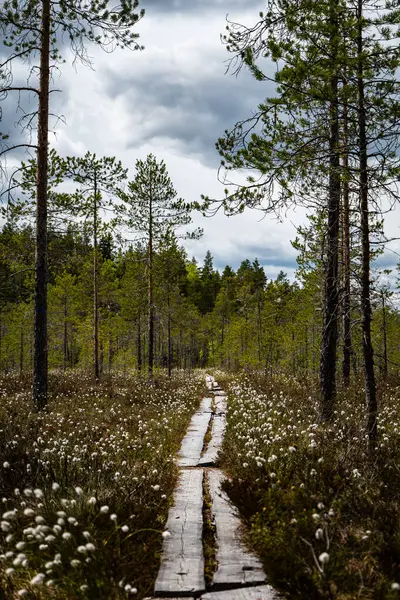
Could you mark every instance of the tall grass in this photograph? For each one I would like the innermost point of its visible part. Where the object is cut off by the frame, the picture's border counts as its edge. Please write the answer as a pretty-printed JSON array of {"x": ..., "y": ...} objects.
[
  {"x": 85, "y": 487},
  {"x": 324, "y": 514}
]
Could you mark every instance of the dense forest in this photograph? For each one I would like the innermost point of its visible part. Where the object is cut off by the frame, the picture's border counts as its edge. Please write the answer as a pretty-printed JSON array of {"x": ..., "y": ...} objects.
[
  {"x": 114, "y": 340},
  {"x": 202, "y": 317}
]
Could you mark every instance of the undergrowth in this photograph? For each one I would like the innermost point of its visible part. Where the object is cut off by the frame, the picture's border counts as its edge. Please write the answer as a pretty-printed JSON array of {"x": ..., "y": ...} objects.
[
  {"x": 85, "y": 487},
  {"x": 324, "y": 514}
]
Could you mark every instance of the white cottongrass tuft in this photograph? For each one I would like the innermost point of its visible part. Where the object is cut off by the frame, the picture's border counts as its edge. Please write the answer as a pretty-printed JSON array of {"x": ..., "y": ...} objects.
[
  {"x": 323, "y": 558},
  {"x": 38, "y": 579}
]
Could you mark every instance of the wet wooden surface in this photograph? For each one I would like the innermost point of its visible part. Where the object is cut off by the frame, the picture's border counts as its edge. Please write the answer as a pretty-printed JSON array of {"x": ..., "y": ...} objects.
[
  {"x": 210, "y": 456},
  {"x": 263, "y": 592},
  {"x": 192, "y": 443},
  {"x": 236, "y": 565},
  {"x": 182, "y": 563}
]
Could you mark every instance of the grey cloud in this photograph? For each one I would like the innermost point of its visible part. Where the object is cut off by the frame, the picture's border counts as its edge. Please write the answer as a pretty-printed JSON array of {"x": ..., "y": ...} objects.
[
  {"x": 387, "y": 261},
  {"x": 271, "y": 269},
  {"x": 270, "y": 254},
  {"x": 193, "y": 6},
  {"x": 271, "y": 257},
  {"x": 194, "y": 114}
]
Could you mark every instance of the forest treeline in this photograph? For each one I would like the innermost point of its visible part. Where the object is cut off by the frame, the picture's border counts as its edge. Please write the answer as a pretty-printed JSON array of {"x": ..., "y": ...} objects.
[{"x": 202, "y": 317}]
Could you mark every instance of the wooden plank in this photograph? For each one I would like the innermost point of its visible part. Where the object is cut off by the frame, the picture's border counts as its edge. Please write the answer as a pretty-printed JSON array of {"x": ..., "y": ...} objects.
[
  {"x": 263, "y": 592},
  {"x": 206, "y": 405},
  {"x": 209, "y": 458},
  {"x": 182, "y": 562},
  {"x": 220, "y": 405},
  {"x": 192, "y": 443},
  {"x": 236, "y": 565},
  {"x": 209, "y": 382}
]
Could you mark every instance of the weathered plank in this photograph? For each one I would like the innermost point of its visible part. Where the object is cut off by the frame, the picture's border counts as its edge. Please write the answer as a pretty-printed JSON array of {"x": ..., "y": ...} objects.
[
  {"x": 263, "y": 592},
  {"x": 210, "y": 456},
  {"x": 209, "y": 382},
  {"x": 182, "y": 562},
  {"x": 206, "y": 405},
  {"x": 236, "y": 565},
  {"x": 220, "y": 404},
  {"x": 192, "y": 443}
]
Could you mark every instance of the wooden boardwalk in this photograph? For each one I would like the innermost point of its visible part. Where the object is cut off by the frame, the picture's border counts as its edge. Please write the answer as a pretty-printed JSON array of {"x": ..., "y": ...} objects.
[
  {"x": 182, "y": 564},
  {"x": 239, "y": 574}
]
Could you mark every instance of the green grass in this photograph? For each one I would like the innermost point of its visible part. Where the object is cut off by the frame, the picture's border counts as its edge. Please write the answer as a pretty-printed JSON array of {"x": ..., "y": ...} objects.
[
  {"x": 324, "y": 515},
  {"x": 86, "y": 486}
]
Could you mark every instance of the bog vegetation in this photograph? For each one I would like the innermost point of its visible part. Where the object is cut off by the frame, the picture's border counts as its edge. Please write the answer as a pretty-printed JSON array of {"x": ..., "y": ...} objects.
[
  {"x": 107, "y": 326},
  {"x": 86, "y": 486}
]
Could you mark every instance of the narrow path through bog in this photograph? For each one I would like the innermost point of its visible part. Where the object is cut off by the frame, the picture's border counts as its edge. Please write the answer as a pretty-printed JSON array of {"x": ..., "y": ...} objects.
[{"x": 238, "y": 573}]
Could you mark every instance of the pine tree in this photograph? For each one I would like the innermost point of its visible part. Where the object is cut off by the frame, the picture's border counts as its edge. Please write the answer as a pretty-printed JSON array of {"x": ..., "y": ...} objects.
[
  {"x": 32, "y": 28},
  {"x": 96, "y": 176},
  {"x": 152, "y": 210}
]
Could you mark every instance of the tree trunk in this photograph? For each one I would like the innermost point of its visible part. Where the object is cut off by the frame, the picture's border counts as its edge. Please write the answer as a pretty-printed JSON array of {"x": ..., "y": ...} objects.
[
  {"x": 169, "y": 340},
  {"x": 347, "y": 349},
  {"x": 65, "y": 340},
  {"x": 181, "y": 348},
  {"x": 40, "y": 363},
  {"x": 330, "y": 325},
  {"x": 306, "y": 348},
  {"x": 110, "y": 352},
  {"x": 293, "y": 352},
  {"x": 21, "y": 353},
  {"x": 101, "y": 356},
  {"x": 1, "y": 341},
  {"x": 368, "y": 353},
  {"x": 385, "y": 357},
  {"x": 150, "y": 358},
  {"x": 139, "y": 345},
  {"x": 95, "y": 284},
  {"x": 259, "y": 330}
]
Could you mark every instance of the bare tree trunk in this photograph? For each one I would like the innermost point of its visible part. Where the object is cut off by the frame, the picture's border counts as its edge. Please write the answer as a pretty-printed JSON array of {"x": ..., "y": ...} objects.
[
  {"x": 40, "y": 365},
  {"x": 65, "y": 340},
  {"x": 259, "y": 329},
  {"x": 101, "y": 356},
  {"x": 331, "y": 299},
  {"x": 347, "y": 349},
  {"x": 169, "y": 336},
  {"x": 139, "y": 345},
  {"x": 150, "y": 357},
  {"x": 95, "y": 284},
  {"x": 21, "y": 353},
  {"x": 181, "y": 348},
  {"x": 293, "y": 353},
  {"x": 368, "y": 353},
  {"x": 384, "y": 325},
  {"x": 110, "y": 351},
  {"x": 1, "y": 340},
  {"x": 306, "y": 348}
]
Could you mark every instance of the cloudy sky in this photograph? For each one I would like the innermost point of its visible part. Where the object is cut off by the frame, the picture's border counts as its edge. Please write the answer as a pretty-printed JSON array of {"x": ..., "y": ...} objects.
[{"x": 174, "y": 100}]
